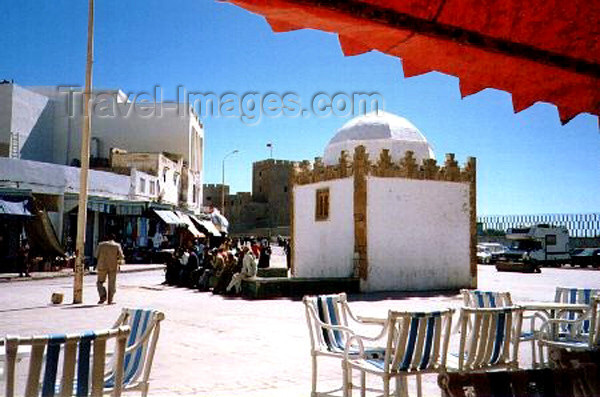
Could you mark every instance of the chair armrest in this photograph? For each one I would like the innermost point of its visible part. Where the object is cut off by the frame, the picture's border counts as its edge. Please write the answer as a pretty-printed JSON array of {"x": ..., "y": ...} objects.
[
  {"x": 349, "y": 344},
  {"x": 370, "y": 320}
]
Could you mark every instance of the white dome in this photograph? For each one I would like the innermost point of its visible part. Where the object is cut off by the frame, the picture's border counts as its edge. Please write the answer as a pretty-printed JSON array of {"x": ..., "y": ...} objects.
[{"x": 377, "y": 131}]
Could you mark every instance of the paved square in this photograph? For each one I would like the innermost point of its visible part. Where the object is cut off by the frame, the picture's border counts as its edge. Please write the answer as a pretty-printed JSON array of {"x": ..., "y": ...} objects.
[{"x": 216, "y": 346}]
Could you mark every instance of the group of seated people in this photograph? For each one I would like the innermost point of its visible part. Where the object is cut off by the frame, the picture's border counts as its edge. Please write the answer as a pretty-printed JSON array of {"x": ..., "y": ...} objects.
[{"x": 221, "y": 269}]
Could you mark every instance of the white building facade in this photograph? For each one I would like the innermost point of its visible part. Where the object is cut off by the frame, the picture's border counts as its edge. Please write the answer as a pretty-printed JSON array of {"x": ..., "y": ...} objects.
[
  {"x": 397, "y": 222},
  {"x": 44, "y": 124}
]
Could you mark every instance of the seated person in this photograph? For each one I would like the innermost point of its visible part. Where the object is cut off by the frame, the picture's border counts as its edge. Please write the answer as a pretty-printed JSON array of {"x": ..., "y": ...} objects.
[{"x": 249, "y": 270}]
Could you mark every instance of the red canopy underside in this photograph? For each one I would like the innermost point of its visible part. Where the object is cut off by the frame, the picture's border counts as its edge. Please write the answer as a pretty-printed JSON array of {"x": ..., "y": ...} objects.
[{"x": 538, "y": 50}]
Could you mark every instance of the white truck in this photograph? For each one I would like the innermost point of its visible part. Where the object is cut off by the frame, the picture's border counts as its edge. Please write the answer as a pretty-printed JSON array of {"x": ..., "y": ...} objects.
[{"x": 535, "y": 246}]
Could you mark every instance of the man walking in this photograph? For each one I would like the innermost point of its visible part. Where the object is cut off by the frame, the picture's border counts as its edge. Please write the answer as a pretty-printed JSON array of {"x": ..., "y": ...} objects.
[{"x": 109, "y": 255}]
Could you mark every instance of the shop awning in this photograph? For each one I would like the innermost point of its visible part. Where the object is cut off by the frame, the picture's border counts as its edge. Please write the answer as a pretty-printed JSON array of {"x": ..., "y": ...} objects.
[
  {"x": 542, "y": 50},
  {"x": 131, "y": 208},
  {"x": 18, "y": 208},
  {"x": 42, "y": 235},
  {"x": 190, "y": 225},
  {"x": 169, "y": 217},
  {"x": 207, "y": 225}
]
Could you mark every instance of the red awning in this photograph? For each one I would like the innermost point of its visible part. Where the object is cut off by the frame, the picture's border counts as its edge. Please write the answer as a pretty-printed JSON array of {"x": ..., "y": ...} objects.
[{"x": 538, "y": 50}]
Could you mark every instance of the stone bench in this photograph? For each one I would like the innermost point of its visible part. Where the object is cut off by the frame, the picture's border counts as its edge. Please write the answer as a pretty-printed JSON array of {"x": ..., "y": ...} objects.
[
  {"x": 295, "y": 287},
  {"x": 272, "y": 272}
]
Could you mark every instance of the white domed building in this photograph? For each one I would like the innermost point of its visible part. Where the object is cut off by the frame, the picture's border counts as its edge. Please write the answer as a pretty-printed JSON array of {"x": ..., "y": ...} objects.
[
  {"x": 378, "y": 207},
  {"x": 378, "y": 131}
]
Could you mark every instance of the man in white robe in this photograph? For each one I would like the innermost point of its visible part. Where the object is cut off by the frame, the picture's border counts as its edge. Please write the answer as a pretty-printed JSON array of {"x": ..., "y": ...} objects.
[{"x": 249, "y": 270}]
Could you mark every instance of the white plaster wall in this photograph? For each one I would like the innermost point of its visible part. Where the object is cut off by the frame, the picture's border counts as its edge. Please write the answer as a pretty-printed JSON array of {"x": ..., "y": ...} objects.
[
  {"x": 418, "y": 235},
  {"x": 134, "y": 127},
  {"x": 29, "y": 116},
  {"x": 5, "y": 112},
  {"x": 58, "y": 179},
  {"x": 136, "y": 192},
  {"x": 324, "y": 248}
]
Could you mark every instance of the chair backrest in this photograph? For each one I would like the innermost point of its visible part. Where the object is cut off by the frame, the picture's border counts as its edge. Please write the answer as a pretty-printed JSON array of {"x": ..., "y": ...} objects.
[
  {"x": 141, "y": 345},
  {"x": 575, "y": 295},
  {"x": 84, "y": 357},
  {"x": 476, "y": 298},
  {"x": 492, "y": 340},
  {"x": 325, "y": 313},
  {"x": 417, "y": 341},
  {"x": 594, "y": 336}
]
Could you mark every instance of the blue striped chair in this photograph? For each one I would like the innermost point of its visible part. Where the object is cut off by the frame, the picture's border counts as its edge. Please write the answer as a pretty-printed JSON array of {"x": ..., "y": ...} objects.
[
  {"x": 576, "y": 331},
  {"x": 331, "y": 324},
  {"x": 492, "y": 340},
  {"x": 82, "y": 370},
  {"x": 476, "y": 298},
  {"x": 416, "y": 343},
  {"x": 481, "y": 299},
  {"x": 140, "y": 349},
  {"x": 575, "y": 295}
]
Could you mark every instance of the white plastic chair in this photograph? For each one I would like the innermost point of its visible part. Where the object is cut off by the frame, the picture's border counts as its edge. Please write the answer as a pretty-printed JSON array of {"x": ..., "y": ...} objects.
[
  {"x": 83, "y": 363},
  {"x": 575, "y": 331},
  {"x": 140, "y": 349},
  {"x": 575, "y": 295},
  {"x": 331, "y": 324},
  {"x": 481, "y": 299},
  {"x": 416, "y": 343},
  {"x": 477, "y": 298},
  {"x": 492, "y": 341}
]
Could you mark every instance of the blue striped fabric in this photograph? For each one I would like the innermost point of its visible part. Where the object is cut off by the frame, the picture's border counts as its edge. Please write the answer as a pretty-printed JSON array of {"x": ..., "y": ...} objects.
[
  {"x": 333, "y": 315},
  {"x": 328, "y": 315},
  {"x": 409, "y": 349},
  {"x": 587, "y": 296},
  {"x": 576, "y": 295},
  {"x": 410, "y": 346},
  {"x": 51, "y": 368},
  {"x": 428, "y": 341},
  {"x": 83, "y": 364},
  {"x": 140, "y": 320},
  {"x": 323, "y": 319},
  {"x": 480, "y": 295},
  {"x": 500, "y": 336}
]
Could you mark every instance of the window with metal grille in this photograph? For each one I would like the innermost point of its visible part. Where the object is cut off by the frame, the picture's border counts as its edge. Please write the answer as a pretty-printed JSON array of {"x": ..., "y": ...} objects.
[{"x": 322, "y": 207}]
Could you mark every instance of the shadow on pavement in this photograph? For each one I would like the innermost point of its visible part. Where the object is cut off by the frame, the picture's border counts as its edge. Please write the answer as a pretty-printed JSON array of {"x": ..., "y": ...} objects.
[
  {"x": 78, "y": 306},
  {"x": 25, "y": 308}
]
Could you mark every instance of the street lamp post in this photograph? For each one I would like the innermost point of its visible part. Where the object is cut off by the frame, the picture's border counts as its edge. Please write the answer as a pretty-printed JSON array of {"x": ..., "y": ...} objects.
[
  {"x": 85, "y": 161},
  {"x": 223, "y": 180}
]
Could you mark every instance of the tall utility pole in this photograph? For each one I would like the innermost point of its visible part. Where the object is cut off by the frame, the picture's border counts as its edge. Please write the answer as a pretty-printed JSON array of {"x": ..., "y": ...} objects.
[
  {"x": 85, "y": 163},
  {"x": 223, "y": 181}
]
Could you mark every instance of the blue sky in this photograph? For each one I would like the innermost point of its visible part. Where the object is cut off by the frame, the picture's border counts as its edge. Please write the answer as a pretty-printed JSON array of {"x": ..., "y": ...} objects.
[{"x": 527, "y": 163}]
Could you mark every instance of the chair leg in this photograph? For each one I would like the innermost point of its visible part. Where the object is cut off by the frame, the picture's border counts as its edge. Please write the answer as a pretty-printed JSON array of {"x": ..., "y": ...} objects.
[
  {"x": 534, "y": 363},
  {"x": 363, "y": 384},
  {"x": 386, "y": 386},
  {"x": 398, "y": 390},
  {"x": 403, "y": 386},
  {"x": 419, "y": 385},
  {"x": 313, "y": 392},
  {"x": 347, "y": 379},
  {"x": 145, "y": 388}
]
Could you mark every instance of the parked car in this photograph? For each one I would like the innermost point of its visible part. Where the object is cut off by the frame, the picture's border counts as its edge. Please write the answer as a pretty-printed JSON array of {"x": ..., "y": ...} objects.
[
  {"x": 484, "y": 256},
  {"x": 494, "y": 249},
  {"x": 584, "y": 257}
]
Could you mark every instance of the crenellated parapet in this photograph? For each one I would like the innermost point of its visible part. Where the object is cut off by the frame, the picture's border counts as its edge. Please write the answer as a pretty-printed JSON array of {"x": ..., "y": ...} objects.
[{"x": 305, "y": 172}]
